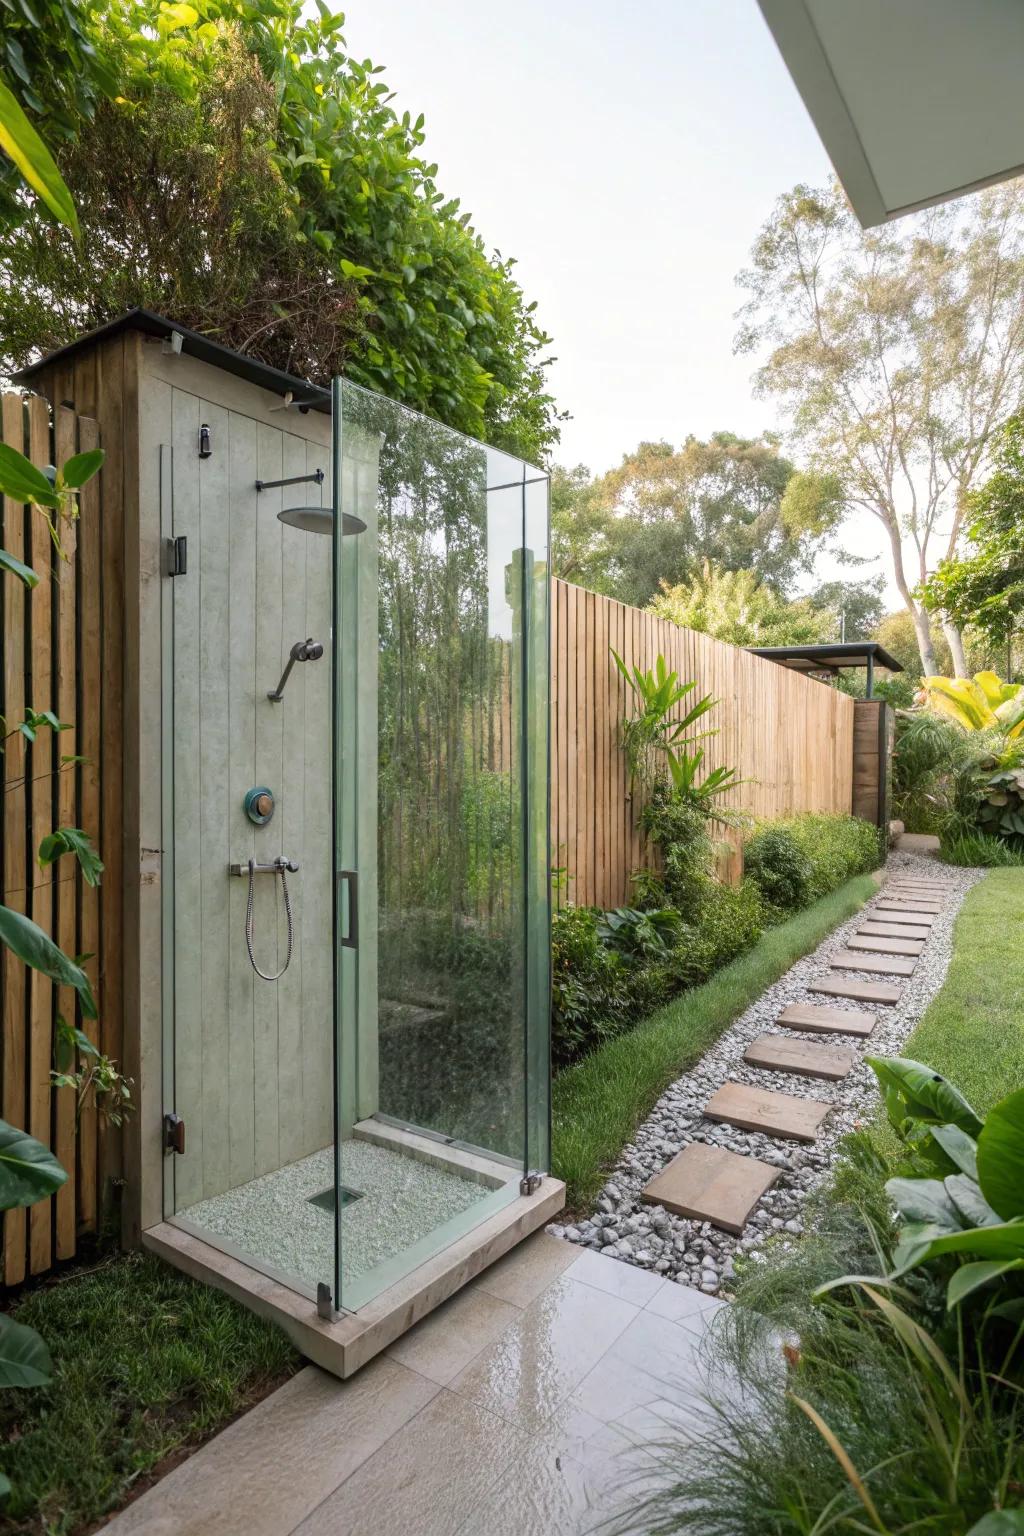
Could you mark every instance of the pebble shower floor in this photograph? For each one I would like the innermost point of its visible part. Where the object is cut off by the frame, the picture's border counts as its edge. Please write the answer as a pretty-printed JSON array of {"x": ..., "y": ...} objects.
[{"x": 696, "y": 1253}]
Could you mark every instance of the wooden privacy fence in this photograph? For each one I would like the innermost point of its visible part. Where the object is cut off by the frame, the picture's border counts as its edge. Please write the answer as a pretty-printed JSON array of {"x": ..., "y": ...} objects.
[
  {"x": 791, "y": 737},
  {"x": 57, "y": 656}
]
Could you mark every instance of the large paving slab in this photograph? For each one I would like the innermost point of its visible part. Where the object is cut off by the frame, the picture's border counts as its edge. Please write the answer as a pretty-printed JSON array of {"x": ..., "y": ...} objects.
[
  {"x": 859, "y": 990},
  {"x": 709, "y": 1184},
  {"x": 936, "y": 892},
  {"x": 881, "y": 928},
  {"x": 818, "y": 1019},
  {"x": 780, "y": 1053},
  {"x": 886, "y": 946},
  {"x": 776, "y": 1114},
  {"x": 884, "y": 965}
]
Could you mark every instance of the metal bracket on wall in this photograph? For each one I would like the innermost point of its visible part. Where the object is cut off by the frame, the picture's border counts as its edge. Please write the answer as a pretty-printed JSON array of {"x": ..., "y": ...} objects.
[
  {"x": 531, "y": 1182},
  {"x": 177, "y": 556},
  {"x": 174, "y": 1133}
]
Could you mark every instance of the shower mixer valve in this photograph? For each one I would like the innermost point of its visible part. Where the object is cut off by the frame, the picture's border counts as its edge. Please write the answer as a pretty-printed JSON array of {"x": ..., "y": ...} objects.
[{"x": 281, "y": 865}]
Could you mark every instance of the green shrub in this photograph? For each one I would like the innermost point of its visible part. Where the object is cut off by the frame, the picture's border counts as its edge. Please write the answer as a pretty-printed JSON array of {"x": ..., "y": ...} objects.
[
  {"x": 775, "y": 861},
  {"x": 679, "y": 830},
  {"x": 590, "y": 994},
  {"x": 928, "y": 751},
  {"x": 797, "y": 860}
]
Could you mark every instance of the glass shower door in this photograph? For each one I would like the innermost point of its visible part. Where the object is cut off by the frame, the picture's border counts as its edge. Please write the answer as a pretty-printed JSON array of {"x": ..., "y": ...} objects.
[{"x": 440, "y": 836}]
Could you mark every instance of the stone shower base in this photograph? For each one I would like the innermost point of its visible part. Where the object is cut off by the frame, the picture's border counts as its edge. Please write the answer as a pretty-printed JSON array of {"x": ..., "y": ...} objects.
[{"x": 404, "y": 1198}]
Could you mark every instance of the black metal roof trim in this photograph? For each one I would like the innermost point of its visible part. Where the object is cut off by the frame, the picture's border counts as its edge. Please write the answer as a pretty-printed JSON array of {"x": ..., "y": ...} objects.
[
  {"x": 309, "y": 396},
  {"x": 848, "y": 653}
]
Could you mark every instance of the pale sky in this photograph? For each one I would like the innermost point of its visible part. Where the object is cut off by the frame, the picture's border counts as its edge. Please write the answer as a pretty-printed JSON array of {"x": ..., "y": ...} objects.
[{"x": 626, "y": 155}]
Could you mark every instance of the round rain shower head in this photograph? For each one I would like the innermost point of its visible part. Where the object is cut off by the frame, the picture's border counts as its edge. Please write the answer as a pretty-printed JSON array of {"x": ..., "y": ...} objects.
[{"x": 320, "y": 520}]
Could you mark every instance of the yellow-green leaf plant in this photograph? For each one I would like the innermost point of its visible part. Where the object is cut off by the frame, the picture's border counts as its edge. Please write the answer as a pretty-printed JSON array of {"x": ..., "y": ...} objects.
[{"x": 979, "y": 703}]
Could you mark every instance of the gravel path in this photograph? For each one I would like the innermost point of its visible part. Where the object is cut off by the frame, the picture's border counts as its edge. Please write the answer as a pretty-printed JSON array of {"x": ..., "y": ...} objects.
[{"x": 695, "y": 1253}]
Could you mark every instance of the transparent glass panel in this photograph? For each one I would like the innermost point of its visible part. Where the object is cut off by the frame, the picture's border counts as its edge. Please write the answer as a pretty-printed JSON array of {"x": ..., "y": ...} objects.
[
  {"x": 440, "y": 835},
  {"x": 247, "y": 776}
]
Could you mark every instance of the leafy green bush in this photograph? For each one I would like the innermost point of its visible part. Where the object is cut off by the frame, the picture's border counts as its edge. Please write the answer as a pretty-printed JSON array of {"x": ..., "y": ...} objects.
[
  {"x": 775, "y": 861},
  {"x": 928, "y": 749},
  {"x": 959, "y": 1191},
  {"x": 799, "y": 859}
]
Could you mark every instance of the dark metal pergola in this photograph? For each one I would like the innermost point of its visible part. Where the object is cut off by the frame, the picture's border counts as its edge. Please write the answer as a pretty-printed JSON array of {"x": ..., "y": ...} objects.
[{"x": 831, "y": 659}]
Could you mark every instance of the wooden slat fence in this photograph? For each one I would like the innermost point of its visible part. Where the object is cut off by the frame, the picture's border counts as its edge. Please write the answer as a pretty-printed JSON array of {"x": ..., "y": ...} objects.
[
  {"x": 51, "y": 660},
  {"x": 790, "y": 736}
]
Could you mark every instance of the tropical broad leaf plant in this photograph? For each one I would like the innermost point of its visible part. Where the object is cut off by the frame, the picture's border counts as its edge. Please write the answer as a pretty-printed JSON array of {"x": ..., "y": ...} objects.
[
  {"x": 652, "y": 737},
  {"x": 979, "y": 703},
  {"x": 962, "y": 1193}
]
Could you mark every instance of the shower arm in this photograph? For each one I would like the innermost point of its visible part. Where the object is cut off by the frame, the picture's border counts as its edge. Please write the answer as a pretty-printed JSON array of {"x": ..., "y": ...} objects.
[{"x": 302, "y": 650}]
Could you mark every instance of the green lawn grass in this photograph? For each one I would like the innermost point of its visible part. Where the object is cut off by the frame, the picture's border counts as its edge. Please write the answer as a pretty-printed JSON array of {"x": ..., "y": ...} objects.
[
  {"x": 598, "y": 1103},
  {"x": 146, "y": 1361},
  {"x": 973, "y": 1029}
]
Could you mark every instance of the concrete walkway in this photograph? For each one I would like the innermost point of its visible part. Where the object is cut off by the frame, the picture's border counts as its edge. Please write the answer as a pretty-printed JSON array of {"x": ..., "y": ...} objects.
[{"x": 525, "y": 1406}]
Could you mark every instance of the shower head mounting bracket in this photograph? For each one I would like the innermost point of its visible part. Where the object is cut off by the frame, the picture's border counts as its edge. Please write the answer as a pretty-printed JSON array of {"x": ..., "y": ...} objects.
[{"x": 316, "y": 478}]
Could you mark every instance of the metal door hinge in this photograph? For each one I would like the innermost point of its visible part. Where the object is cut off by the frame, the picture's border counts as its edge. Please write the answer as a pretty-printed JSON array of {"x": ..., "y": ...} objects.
[
  {"x": 530, "y": 1182},
  {"x": 177, "y": 556},
  {"x": 174, "y": 1133},
  {"x": 324, "y": 1304}
]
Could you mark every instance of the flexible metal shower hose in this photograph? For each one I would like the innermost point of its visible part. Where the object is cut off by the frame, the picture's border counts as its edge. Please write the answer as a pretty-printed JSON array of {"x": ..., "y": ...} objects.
[{"x": 249, "y": 923}]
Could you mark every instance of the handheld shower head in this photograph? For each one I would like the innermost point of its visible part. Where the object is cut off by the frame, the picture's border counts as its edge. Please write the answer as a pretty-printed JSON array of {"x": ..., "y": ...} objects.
[
  {"x": 302, "y": 650},
  {"x": 307, "y": 650}
]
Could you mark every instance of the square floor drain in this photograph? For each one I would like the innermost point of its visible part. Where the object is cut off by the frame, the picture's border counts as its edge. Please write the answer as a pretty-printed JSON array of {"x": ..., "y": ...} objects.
[{"x": 325, "y": 1201}]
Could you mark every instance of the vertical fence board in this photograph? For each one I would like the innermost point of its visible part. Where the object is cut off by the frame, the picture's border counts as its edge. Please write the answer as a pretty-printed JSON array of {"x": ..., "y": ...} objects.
[
  {"x": 88, "y": 723},
  {"x": 40, "y": 769},
  {"x": 65, "y": 881},
  {"x": 15, "y": 1077}
]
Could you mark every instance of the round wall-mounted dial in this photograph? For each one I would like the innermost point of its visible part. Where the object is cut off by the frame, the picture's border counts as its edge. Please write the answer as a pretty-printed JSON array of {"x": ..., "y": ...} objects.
[{"x": 259, "y": 805}]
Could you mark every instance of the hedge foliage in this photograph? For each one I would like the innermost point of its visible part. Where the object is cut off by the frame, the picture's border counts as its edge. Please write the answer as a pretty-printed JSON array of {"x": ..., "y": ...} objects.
[
  {"x": 799, "y": 859},
  {"x": 236, "y": 168}
]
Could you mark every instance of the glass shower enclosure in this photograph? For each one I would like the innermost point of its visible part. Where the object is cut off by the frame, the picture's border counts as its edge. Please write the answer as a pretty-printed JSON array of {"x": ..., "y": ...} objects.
[{"x": 385, "y": 937}]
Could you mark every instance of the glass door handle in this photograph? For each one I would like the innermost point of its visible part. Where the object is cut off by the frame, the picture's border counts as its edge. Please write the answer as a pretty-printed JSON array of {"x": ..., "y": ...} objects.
[{"x": 351, "y": 879}]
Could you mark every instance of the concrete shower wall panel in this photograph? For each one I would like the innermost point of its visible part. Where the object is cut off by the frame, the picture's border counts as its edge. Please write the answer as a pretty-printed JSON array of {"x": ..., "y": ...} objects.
[{"x": 257, "y": 1090}]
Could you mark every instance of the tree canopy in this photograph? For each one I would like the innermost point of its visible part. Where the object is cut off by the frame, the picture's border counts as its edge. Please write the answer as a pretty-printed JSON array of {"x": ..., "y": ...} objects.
[
  {"x": 664, "y": 512},
  {"x": 896, "y": 353},
  {"x": 984, "y": 586},
  {"x": 735, "y": 606},
  {"x": 243, "y": 173}
]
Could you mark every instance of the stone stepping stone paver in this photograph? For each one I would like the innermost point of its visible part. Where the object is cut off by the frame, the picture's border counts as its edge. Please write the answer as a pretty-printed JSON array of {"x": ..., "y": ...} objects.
[
  {"x": 778, "y": 1053},
  {"x": 934, "y": 891},
  {"x": 885, "y": 965},
  {"x": 710, "y": 1184},
  {"x": 886, "y": 946},
  {"x": 889, "y": 912},
  {"x": 775, "y": 1114},
  {"x": 819, "y": 1019},
  {"x": 883, "y": 929},
  {"x": 857, "y": 989}
]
